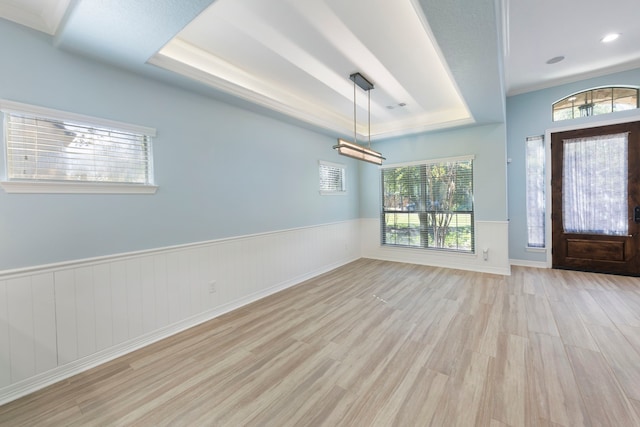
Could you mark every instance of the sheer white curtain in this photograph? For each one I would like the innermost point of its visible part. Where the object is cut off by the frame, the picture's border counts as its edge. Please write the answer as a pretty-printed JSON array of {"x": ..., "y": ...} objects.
[
  {"x": 535, "y": 191},
  {"x": 594, "y": 188}
]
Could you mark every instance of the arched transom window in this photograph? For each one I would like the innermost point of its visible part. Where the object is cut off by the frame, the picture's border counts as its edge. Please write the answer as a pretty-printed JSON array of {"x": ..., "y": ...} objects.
[{"x": 595, "y": 101}]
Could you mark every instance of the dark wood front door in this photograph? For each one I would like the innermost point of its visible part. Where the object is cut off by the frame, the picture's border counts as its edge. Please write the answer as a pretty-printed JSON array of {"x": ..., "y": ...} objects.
[{"x": 595, "y": 183}]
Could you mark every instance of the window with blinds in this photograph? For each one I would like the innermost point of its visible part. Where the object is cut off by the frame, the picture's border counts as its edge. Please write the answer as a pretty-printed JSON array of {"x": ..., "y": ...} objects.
[
  {"x": 332, "y": 178},
  {"x": 429, "y": 205},
  {"x": 58, "y": 147},
  {"x": 535, "y": 171}
]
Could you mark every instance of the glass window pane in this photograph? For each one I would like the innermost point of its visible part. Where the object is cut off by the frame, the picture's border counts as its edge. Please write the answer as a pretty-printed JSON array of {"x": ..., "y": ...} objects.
[
  {"x": 595, "y": 101},
  {"x": 332, "y": 178},
  {"x": 594, "y": 192},
  {"x": 602, "y": 101},
  {"x": 625, "y": 99},
  {"x": 59, "y": 150},
  {"x": 402, "y": 229},
  {"x": 535, "y": 171},
  {"x": 429, "y": 205}
]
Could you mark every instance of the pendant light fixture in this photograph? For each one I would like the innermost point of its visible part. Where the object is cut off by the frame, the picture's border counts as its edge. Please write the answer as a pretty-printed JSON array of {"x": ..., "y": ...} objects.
[{"x": 353, "y": 149}]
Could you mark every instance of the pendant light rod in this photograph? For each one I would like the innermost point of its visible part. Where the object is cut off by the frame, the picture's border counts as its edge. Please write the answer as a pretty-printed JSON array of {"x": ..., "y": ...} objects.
[
  {"x": 355, "y": 133},
  {"x": 369, "y": 113},
  {"x": 352, "y": 149}
]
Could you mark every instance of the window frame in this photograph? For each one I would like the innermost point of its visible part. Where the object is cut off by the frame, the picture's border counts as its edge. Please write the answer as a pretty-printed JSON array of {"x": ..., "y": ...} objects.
[
  {"x": 34, "y": 186},
  {"x": 425, "y": 246},
  {"x": 343, "y": 169},
  {"x": 588, "y": 92}
]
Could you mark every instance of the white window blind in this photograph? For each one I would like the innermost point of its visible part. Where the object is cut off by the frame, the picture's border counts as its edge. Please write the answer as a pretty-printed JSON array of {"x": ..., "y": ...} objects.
[
  {"x": 429, "y": 205},
  {"x": 332, "y": 178},
  {"x": 535, "y": 172},
  {"x": 594, "y": 187},
  {"x": 66, "y": 148}
]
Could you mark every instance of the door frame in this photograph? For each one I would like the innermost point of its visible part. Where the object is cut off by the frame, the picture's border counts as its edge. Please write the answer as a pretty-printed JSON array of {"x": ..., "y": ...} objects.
[{"x": 547, "y": 179}]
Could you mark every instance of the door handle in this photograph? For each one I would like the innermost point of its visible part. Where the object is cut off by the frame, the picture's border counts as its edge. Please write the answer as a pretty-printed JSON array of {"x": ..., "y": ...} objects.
[{"x": 636, "y": 214}]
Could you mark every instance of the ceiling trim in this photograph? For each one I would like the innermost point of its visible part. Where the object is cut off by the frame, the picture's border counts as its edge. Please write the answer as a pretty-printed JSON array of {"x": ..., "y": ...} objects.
[
  {"x": 576, "y": 78},
  {"x": 192, "y": 62},
  {"x": 46, "y": 20},
  {"x": 194, "y": 67}
]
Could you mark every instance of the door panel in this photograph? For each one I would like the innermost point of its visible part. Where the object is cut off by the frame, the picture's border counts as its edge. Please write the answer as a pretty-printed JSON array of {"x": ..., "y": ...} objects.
[{"x": 609, "y": 248}]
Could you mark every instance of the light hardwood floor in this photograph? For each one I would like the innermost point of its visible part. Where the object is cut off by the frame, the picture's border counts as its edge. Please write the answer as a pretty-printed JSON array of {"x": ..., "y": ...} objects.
[{"x": 375, "y": 344}]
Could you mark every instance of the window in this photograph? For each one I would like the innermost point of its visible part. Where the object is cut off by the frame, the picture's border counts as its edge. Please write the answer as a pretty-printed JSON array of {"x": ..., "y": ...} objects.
[
  {"x": 332, "y": 178},
  {"x": 535, "y": 163},
  {"x": 63, "y": 152},
  {"x": 597, "y": 101},
  {"x": 429, "y": 205}
]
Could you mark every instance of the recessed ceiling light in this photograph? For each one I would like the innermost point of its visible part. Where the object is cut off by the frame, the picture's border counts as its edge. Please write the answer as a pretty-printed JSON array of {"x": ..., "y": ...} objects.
[
  {"x": 555, "y": 59},
  {"x": 610, "y": 37}
]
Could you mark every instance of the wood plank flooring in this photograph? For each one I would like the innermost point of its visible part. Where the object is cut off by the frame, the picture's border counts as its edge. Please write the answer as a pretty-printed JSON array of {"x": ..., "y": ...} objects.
[{"x": 380, "y": 344}]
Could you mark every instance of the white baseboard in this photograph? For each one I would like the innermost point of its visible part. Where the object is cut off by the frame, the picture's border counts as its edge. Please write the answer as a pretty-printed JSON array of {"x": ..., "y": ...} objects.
[
  {"x": 527, "y": 263},
  {"x": 490, "y": 235}
]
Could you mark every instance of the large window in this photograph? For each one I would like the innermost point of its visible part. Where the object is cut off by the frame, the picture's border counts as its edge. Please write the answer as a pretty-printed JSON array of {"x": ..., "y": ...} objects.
[
  {"x": 596, "y": 101},
  {"x": 535, "y": 163},
  {"x": 57, "y": 148},
  {"x": 429, "y": 205}
]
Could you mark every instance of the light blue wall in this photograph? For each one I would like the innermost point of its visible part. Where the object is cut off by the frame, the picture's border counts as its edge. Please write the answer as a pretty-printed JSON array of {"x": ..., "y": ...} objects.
[
  {"x": 529, "y": 114},
  {"x": 222, "y": 171},
  {"x": 486, "y": 142}
]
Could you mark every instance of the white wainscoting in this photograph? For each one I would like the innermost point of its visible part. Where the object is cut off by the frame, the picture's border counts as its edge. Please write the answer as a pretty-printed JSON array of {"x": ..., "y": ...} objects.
[
  {"x": 491, "y": 235},
  {"x": 58, "y": 320}
]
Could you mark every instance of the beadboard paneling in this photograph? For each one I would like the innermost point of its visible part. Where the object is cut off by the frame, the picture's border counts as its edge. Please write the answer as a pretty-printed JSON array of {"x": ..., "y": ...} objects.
[
  {"x": 5, "y": 347},
  {"x": 27, "y": 327},
  {"x": 44, "y": 325},
  {"x": 58, "y": 320}
]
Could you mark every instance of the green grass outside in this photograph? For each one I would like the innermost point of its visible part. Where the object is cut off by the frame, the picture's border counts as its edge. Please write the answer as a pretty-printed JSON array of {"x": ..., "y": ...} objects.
[
  {"x": 410, "y": 220},
  {"x": 458, "y": 236}
]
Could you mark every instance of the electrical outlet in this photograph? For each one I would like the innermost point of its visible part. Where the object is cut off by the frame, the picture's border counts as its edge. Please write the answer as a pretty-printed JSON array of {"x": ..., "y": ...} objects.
[{"x": 212, "y": 287}]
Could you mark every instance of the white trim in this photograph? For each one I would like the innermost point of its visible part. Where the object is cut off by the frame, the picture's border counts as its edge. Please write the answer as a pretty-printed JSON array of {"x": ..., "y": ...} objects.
[
  {"x": 332, "y": 164},
  {"x": 13, "y": 107},
  {"x": 525, "y": 88},
  {"x": 33, "y": 186},
  {"x": 32, "y": 384},
  {"x": 430, "y": 161},
  {"x": 42, "y": 187},
  {"x": 527, "y": 263},
  {"x": 45, "y": 268},
  {"x": 547, "y": 136},
  {"x": 536, "y": 250},
  {"x": 332, "y": 193}
]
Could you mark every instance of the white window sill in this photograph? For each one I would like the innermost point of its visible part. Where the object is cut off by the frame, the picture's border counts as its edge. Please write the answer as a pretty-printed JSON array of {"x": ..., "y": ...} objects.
[
  {"x": 333, "y": 193},
  {"x": 39, "y": 187},
  {"x": 538, "y": 250}
]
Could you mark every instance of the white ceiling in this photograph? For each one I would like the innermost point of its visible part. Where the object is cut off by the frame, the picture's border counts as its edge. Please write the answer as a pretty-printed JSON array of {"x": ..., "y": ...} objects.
[
  {"x": 296, "y": 57},
  {"x": 451, "y": 63},
  {"x": 543, "y": 29}
]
